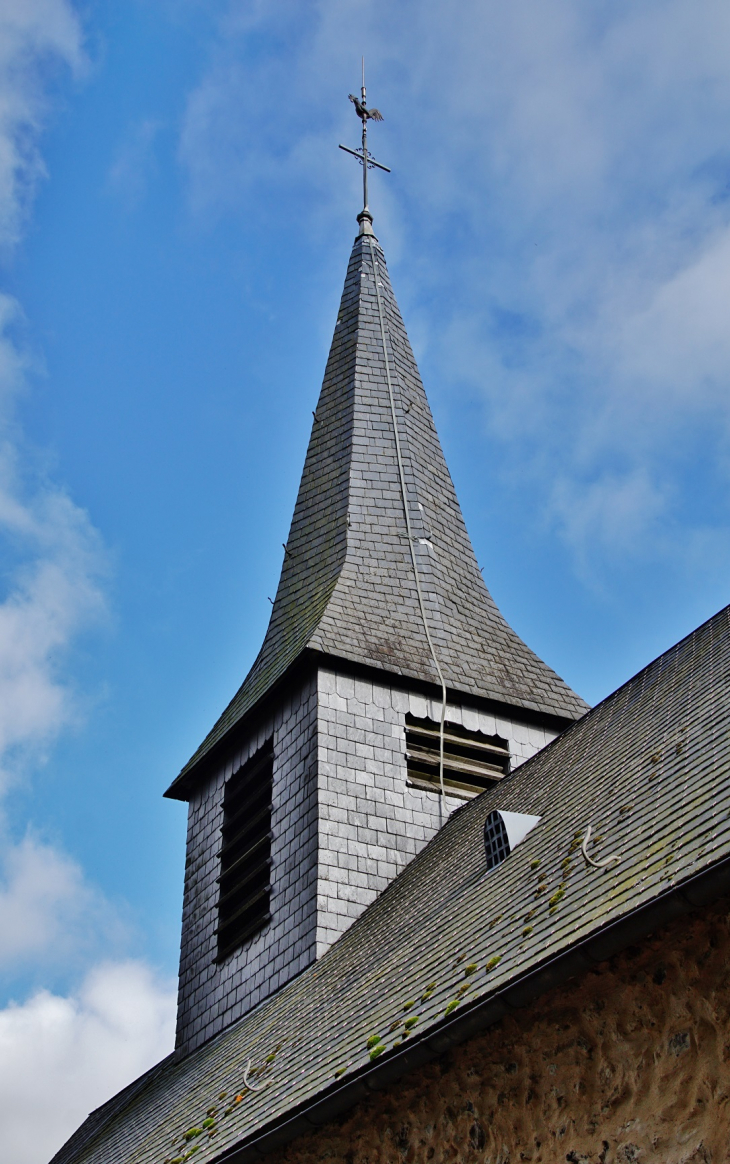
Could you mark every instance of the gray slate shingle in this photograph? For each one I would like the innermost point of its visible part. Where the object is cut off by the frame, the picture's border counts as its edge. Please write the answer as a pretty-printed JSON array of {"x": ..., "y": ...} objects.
[
  {"x": 347, "y": 586},
  {"x": 648, "y": 769}
]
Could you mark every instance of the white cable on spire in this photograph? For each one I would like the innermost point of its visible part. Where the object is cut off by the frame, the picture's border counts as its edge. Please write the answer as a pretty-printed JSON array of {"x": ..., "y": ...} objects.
[{"x": 409, "y": 532}]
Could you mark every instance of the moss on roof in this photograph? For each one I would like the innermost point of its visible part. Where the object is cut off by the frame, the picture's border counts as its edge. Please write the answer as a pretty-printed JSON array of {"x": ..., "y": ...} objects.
[{"x": 648, "y": 770}]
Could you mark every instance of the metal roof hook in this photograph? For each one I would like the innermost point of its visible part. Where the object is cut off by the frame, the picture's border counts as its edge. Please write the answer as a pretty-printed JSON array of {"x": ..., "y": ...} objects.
[
  {"x": 246, "y": 1082},
  {"x": 589, "y": 860}
]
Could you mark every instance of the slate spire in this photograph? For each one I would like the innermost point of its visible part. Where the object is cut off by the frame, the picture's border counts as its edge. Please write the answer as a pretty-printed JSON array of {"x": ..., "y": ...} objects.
[{"x": 348, "y": 586}]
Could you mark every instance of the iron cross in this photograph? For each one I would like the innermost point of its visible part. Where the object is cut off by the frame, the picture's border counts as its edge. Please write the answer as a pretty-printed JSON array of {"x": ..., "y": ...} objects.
[{"x": 366, "y": 160}]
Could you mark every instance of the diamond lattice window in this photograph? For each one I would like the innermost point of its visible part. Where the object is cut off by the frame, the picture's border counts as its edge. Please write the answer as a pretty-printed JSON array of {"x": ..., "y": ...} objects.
[
  {"x": 496, "y": 841},
  {"x": 503, "y": 831}
]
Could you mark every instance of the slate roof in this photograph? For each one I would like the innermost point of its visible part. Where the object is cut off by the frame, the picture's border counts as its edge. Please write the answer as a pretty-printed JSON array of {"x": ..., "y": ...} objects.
[
  {"x": 347, "y": 585},
  {"x": 648, "y": 769}
]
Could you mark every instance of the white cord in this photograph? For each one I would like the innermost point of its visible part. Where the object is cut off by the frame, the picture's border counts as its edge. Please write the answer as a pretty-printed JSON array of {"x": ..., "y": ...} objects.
[
  {"x": 246, "y": 1081},
  {"x": 596, "y": 864},
  {"x": 401, "y": 474}
]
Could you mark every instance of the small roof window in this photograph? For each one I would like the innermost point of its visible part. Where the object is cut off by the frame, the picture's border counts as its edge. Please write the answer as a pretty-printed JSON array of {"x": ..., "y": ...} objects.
[{"x": 503, "y": 831}]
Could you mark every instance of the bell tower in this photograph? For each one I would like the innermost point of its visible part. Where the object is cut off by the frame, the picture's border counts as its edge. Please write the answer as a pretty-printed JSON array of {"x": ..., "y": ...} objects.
[{"x": 388, "y": 688}]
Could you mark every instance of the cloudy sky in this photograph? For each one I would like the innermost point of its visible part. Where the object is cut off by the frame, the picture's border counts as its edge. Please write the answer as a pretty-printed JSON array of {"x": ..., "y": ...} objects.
[{"x": 175, "y": 222}]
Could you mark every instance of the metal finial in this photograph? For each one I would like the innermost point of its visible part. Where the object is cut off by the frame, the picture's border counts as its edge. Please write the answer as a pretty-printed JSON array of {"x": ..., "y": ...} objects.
[{"x": 366, "y": 160}]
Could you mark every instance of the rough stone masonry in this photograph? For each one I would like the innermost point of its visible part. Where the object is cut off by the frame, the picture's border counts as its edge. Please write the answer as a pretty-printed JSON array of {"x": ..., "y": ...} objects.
[{"x": 629, "y": 1064}]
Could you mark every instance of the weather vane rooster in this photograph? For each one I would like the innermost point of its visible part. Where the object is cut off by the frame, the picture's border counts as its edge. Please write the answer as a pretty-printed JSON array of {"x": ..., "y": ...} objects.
[
  {"x": 362, "y": 110},
  {"x": 366, "y": 159}
]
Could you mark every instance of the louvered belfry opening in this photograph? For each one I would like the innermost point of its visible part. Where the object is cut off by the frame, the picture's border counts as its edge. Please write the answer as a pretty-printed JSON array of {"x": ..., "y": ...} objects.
[
  {"x": 472, "y": 760},
  {"x": 245, "y": 855}
]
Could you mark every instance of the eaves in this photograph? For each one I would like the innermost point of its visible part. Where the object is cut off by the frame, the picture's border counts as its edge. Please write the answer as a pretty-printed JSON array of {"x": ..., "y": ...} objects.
[{"x": 604, "y": 943}]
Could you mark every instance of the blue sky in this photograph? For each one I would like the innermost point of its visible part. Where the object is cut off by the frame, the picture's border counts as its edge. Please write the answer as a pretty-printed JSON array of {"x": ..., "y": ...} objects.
[{"x": 175, "y": 223}]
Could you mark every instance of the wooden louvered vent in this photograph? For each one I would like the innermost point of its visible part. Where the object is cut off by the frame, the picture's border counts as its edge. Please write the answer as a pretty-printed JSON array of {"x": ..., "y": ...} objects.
[
  {"x": 472, "y": 760},
  {"x": 245, "y": 888}
]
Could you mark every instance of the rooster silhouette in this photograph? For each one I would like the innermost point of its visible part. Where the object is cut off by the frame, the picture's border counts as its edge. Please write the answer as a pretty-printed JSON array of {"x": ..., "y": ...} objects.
[{"x": 363, "y": 112}]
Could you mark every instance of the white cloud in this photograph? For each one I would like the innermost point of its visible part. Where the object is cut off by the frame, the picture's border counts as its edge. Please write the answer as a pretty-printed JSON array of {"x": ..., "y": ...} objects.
[
  {"x": 51, "y": 593},
  {"x": 612, "y": 510},
  {"x": 680, "y": 342},
  {"x": 566, "y": 172},
  {"x": 37, "y": 38},
  {"x": 134, "y": 164},
  {"x": 53, "y": 556},
  {"x": 60, "y": 1057},
  {"x": 55, "y": 594},
  {"x": 49, "y": 915}
]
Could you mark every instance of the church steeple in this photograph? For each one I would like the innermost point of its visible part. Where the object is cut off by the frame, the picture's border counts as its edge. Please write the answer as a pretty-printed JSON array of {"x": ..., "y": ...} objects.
[
  {"x": 329, "y": 771},
  {"x": 348, "y": 585}
]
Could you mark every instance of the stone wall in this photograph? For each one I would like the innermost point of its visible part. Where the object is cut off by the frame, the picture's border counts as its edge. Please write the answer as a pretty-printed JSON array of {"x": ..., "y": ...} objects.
[{"x": 629, "y": 1064}]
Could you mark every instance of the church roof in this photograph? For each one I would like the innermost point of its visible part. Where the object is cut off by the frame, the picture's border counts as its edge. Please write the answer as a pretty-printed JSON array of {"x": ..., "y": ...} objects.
[
  {"x": 455, "y": 947},
  {"x": 347, "y": 588}
]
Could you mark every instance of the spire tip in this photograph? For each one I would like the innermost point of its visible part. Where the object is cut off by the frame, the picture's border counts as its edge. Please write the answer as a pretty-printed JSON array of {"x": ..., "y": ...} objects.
[
  {"x": 365, "y": 219},
  {"x": 364, "y": 157}
]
